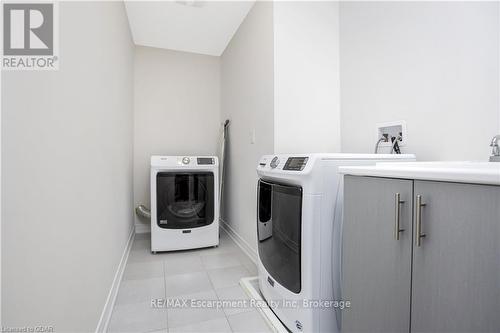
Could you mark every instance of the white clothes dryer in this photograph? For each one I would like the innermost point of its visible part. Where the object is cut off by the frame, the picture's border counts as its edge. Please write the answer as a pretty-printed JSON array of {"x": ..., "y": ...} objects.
[{"x": 184, "y": 202}]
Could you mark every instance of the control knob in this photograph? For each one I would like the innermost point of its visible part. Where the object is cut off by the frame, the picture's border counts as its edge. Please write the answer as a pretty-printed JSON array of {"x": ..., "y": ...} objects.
[{"x": 274, "y": 162}]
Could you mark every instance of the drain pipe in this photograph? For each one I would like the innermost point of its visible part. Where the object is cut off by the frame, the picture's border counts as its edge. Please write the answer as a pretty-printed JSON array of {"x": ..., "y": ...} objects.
[{"x": 143, "y": 211}]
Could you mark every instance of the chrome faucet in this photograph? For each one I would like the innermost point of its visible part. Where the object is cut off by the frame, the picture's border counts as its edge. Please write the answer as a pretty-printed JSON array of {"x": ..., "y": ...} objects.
[{"x": 495, "y": 151}]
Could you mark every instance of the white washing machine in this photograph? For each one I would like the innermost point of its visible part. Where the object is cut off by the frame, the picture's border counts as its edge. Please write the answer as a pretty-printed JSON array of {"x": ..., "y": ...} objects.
[
  {"x": 298, "y": 231},
  {"x": 184, "y": 202}
]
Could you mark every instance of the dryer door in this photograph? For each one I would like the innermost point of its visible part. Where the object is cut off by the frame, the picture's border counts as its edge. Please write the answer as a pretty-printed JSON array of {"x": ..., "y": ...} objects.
[
  {"x": 184, "y": 200},
  {"x": 279, "y": 232}
]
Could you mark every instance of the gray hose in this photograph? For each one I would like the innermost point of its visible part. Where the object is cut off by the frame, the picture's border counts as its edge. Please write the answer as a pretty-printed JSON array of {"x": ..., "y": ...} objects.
[
  {"x": 143, "y": 211},
  {"x": 382, "y": 139}
]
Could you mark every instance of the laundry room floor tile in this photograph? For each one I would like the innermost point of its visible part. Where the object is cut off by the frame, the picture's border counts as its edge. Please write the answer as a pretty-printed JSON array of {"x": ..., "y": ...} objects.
[
  {"x": 251, "y": 322},
  {"x": 218, "y": 325},
  {"x": 145, "y": 255},
  {"x": 141, "y": 244},
  {"x": 247, "y": 263},
  {"x": 143, "y": 270},
  {"x": 137, "y": 317},
  {"x": 234, "y": 294},
  {"x": 226, "y": 245},
  {"x": 143, "y": 290},
  {"x": 205, "y": 274},
  {"x": 142, "y": 236},
  {"x": 226, "y": 277},
  {"x": 220, "y": 260},
  {"x": 193, "y": 313},
  {"x": 183, "y": 264},
  {"x": 189, "y": 283}
]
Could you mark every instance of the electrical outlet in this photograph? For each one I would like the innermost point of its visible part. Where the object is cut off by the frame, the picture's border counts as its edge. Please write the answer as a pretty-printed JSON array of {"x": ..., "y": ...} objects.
[{"x": 392, "y": 129}]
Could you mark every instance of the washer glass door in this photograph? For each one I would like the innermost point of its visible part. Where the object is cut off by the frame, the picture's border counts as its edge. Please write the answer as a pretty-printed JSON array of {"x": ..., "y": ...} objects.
[
  {"x": 279, "y": 232},
  {"x": 184, "y": 200}
]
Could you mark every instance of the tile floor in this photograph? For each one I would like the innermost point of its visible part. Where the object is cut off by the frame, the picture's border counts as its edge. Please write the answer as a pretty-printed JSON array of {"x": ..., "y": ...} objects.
[{"x": 203, "y": 274}]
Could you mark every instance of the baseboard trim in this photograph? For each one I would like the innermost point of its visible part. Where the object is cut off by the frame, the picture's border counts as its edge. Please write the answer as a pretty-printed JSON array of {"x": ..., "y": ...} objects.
[
  {"x": 242, "y": 243},
  {"x": 102, "y": 325},
  {"x": 141, "y": 228}
]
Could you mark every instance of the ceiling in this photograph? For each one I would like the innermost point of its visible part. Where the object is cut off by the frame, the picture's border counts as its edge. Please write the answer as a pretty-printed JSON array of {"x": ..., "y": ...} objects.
[{"x": 204, "y": 27}]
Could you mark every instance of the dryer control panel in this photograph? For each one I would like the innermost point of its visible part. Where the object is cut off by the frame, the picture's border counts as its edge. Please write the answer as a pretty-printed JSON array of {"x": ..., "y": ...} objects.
[
  {"x": 206, "y": 162},
  {"x": 278, "y": 163},
  {"x": 295, "y": 163}
]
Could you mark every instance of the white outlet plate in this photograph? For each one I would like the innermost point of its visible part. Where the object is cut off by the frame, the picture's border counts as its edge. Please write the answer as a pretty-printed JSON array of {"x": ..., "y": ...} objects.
[{"x": 393, "y": 128}]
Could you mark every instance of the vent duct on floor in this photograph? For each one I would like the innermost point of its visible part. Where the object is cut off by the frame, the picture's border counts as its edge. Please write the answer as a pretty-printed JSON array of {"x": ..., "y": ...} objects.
[{"x": 143, "y": 211}]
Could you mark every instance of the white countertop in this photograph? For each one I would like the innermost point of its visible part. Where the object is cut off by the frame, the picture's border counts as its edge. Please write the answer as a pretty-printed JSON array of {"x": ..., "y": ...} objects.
[{"x": 460, "y": 172}]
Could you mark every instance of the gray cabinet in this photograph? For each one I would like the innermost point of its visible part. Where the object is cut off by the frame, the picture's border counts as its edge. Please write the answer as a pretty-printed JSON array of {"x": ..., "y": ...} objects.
[
  {"x": 376, "y": 267},
  {"x": 449, "y": 281},
  {"x": 456, "y": 268}
]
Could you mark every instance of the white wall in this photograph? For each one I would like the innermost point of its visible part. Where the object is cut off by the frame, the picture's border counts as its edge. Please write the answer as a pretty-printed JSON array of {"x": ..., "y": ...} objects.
[
  {"x": 67, "y": 173},
  {"x": 176, "y": 112},
  {"x": 307, "y": 99},
  {"x": 247, "y": 100},
  {"x": 433, "y": 64}
]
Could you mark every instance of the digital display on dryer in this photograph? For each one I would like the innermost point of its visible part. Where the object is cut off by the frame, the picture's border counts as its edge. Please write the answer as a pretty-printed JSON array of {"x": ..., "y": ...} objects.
[
  {"x": 205, "y": 160},
  {"x": 295, "y": 163}
]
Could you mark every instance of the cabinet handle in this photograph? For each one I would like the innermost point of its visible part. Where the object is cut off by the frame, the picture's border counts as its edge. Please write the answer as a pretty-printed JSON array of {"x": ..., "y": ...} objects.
[
  {"x": 397, "y": 213},
  {"x": 419, "y": 235}
]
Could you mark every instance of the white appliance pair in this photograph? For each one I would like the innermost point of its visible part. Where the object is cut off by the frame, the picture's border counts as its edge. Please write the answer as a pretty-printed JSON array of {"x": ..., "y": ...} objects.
[
  {"x": 184, "y": 202},
  {"x": 299, "y": 215}
]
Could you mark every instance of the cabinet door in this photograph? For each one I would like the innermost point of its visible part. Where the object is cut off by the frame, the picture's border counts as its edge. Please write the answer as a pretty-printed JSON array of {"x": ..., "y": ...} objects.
[
  {"x": 456, "y": 268},
  {"x": 376, "y": 267}
]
